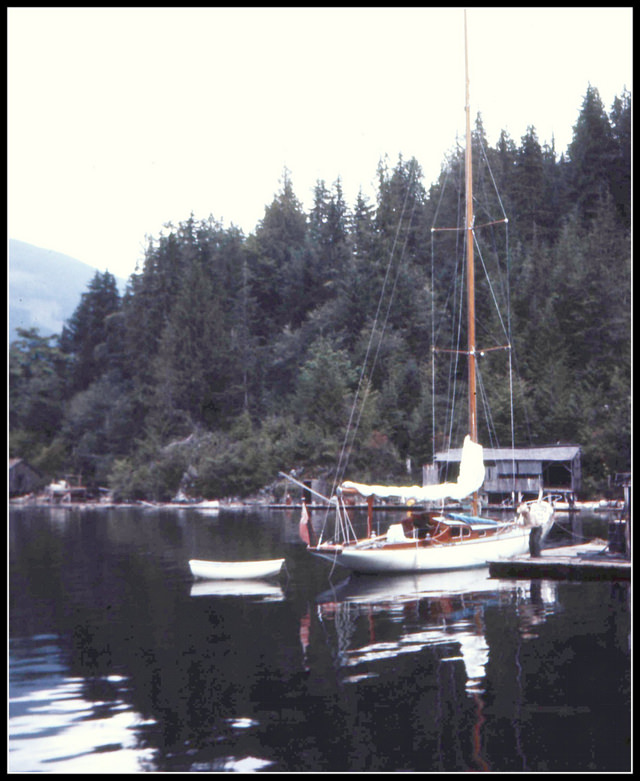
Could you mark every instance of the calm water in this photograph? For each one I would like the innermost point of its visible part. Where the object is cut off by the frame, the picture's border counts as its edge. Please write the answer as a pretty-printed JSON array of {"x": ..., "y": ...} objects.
[{"x": 117, "y": 663}]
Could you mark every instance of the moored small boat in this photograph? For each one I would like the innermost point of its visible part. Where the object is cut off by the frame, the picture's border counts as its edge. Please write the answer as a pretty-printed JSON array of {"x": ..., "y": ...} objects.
[
  {"x": 235, "y": 570},
  {"x": 211, "y": 504}
]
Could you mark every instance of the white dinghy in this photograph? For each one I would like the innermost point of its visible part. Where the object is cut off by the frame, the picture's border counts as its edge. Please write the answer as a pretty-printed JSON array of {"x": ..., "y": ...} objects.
[{"x": 235, "y": 570}]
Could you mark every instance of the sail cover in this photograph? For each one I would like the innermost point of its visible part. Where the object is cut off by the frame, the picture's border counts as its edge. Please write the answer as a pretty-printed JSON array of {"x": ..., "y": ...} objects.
[{"x": 469, "y": 480}]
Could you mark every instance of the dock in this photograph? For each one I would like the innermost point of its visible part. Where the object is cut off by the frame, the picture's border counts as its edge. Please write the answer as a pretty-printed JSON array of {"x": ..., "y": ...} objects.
[{"x": 589, "y": 561}]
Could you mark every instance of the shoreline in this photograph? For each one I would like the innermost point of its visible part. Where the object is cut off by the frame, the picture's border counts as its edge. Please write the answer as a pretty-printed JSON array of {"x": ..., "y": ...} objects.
[{"x": 215, "y": 506}]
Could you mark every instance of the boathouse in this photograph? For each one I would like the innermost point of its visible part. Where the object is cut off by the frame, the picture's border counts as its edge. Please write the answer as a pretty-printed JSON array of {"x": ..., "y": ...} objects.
[
  {"x": 554, "y": 468},
  {"x": 23, "y": 478}
]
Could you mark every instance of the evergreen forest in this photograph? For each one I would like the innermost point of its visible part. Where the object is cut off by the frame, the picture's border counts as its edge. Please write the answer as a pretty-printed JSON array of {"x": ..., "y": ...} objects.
[{"x": 306, "y": 345}]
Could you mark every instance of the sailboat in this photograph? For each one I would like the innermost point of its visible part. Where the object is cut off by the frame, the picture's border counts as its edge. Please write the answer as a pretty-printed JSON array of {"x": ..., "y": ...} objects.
[{"x": 431, "y": 540}]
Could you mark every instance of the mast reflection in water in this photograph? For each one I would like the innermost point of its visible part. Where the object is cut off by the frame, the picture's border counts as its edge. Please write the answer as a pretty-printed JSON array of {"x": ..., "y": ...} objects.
[{"x": 118, "y": 663}]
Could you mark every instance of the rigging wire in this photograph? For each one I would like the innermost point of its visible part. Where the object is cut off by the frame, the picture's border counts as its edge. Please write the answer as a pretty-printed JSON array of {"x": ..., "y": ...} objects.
[
  {"x": 491, "y": 428},
  {"x": 365, "y": 374},
  {"x": 433, "y": 356},
  {"x": 382, "y": 330},
  {"x": 513, "y": 433},
  {"x": 507, "y": 329},
  {"x": 513, "y": 360},
  {"x": 454, "y": 363},
  {"x": 491, "y": 290},
  {"x": 507, "y": 287},
  {"x": 495, "y": 186},
  {"x": 504, "y": 286},
  {"x": 384, "y": 326},
  {"x": 454, "y": 291}
]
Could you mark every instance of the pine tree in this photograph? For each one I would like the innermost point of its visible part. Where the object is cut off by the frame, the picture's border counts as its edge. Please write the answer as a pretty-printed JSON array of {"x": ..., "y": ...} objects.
[
  {"x": 37, "y": 385},
  {"x": 592, "y": 155},
  {"x": 621, "y": 169},
  {"x": 506, "y": 156},
  {"x": 531, "y": 208},
  {"x": 322, "y": 389},
  {"x": 193, "y": 363},
  {"x": 358, "y": 286},
  {"x": 328, "y": 241},
  {"x": 147, "y": 304},
  {"x": 86, "y": 334},
  {"x": 277, "y": 263}
]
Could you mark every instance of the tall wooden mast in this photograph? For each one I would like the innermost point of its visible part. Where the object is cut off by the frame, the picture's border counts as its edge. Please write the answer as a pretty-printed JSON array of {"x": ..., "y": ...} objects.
[{"x": 471, "y": 313}]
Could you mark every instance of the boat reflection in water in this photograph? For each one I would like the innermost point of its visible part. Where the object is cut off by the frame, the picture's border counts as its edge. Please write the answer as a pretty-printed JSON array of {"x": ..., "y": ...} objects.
[
  {"x": 455, "y": 600},
  {"x": 443, "y": 613},
  {"x": 260, "y": 590}
]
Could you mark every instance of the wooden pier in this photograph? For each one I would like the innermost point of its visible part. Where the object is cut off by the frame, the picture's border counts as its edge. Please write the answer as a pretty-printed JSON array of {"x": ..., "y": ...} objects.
[{"x": 589, "y": 561}]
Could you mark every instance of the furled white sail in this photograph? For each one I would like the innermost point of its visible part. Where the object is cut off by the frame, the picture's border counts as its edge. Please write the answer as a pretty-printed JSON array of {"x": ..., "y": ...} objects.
[{"x": 469, "y": 480}]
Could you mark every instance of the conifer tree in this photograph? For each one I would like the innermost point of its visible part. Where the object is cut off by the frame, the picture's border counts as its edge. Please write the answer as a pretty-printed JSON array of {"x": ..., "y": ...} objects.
[
  {"x": 86, "y": 334},
  {"x": 277, "y": 263},
  {"x": 355, "y": 291},
  {"x": 328, "y": 240},
  {"x": 147, "y": 304},
  {"x": 621, "y": 168},
  {"x": 37, "y": 392},
  {"x": 193, "y": 361},
  {"x": 506, "y": 155},
  {"x": 592, "y": 155},
  {"x": 529, "y": 186}
]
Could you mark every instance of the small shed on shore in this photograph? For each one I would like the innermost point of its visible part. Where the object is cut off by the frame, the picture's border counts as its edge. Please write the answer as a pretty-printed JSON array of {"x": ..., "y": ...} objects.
[
  {"x": 23, "y": 478},
  {"x": 554, "y": 468}
]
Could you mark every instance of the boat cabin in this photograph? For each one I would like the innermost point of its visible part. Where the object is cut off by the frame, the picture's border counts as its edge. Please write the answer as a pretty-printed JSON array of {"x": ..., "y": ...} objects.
[
  {"x": 552, "y": 468},
  {"x": 428, "y": 526}
]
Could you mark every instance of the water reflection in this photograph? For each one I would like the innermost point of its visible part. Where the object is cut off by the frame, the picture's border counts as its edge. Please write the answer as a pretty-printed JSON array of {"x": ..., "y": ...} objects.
[
  {"x": 118, "y": 662},
  {"x": 410, "y": 614},
  {"x": 61, "y": 721},
  {"x": 450, "y": 606},
  {"x": 258, "y": 590}
]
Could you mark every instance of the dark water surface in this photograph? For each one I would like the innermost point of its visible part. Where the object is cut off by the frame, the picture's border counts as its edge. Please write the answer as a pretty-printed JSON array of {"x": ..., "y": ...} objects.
[{"x": 117, "y": 663}]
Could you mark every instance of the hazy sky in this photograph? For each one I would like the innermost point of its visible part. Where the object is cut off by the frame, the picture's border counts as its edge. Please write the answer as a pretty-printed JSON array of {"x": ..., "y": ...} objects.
[{"x": 123, "y": 119}]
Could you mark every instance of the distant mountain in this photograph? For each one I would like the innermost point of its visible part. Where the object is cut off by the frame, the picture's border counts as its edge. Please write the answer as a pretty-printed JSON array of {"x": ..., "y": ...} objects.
[{"x": 45, "y": 287}]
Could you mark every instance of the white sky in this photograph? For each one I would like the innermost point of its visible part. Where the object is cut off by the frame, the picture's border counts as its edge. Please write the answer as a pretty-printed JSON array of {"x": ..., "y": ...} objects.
[{"x": 123, "y": 119}]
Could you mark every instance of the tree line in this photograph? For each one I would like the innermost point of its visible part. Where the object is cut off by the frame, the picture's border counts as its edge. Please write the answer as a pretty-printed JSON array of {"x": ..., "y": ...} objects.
[{"x": 231, "y": 357}]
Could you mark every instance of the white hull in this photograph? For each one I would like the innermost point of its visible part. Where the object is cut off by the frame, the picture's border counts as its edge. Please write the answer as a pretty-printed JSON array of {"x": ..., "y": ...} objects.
[
  {"x": 214, "y": 504},
  {"x": 432, "y": 558},
  {"x": 235, "y": 570}
]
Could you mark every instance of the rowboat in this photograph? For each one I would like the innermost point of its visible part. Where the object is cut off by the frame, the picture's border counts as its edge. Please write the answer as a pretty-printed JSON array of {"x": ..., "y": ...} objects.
[{"x": 235, "y": 570}]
